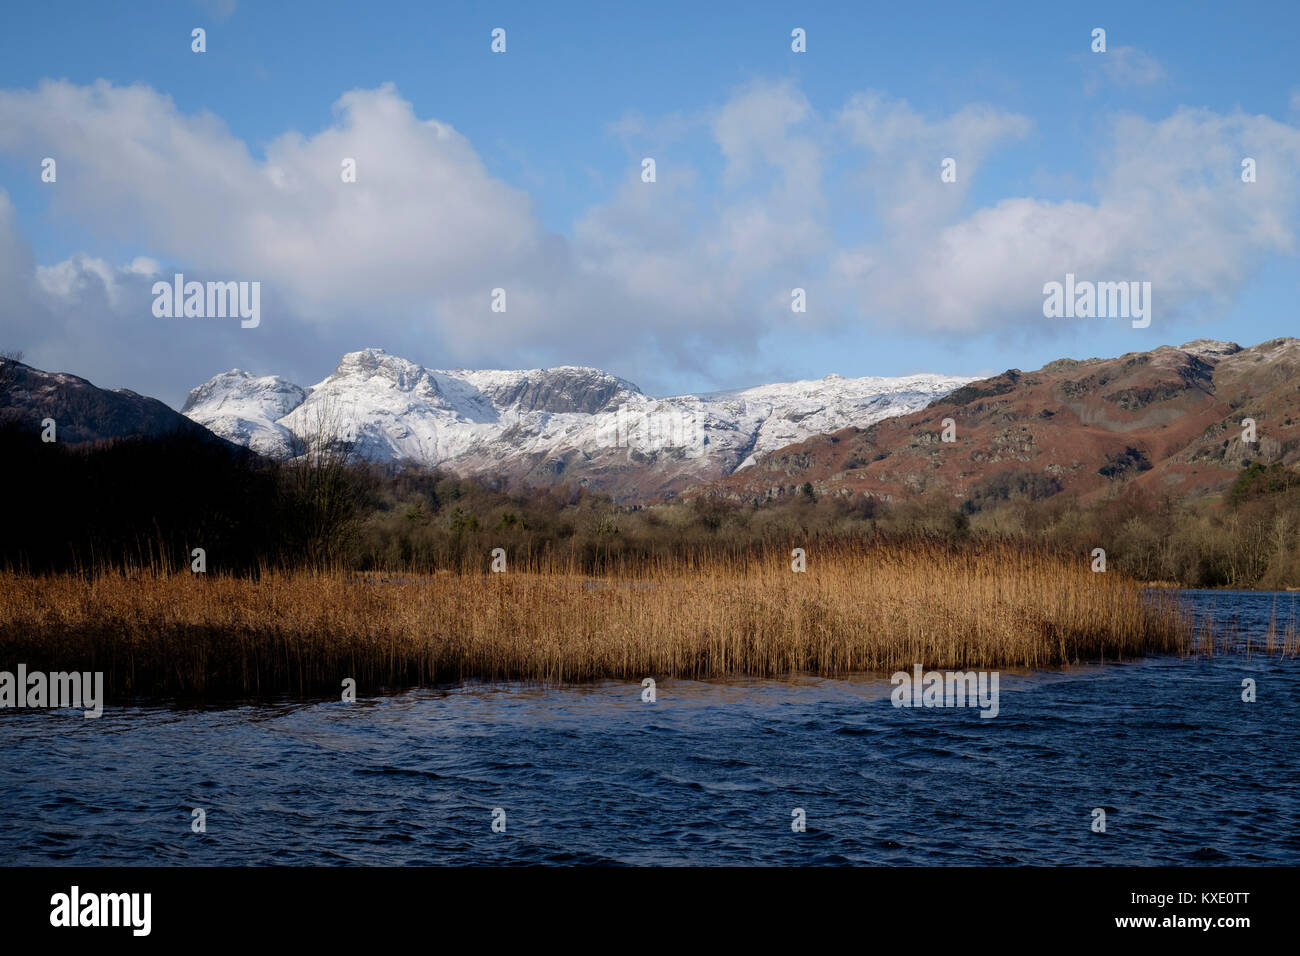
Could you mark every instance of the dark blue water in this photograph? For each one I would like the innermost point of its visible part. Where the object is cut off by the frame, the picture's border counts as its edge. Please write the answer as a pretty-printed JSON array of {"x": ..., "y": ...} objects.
[{"x": 709, "y": 774}]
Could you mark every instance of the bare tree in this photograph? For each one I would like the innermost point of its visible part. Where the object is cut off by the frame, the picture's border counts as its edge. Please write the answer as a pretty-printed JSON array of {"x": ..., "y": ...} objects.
[
  {"x": 9, "y": 362},
  {"x": 324, "y": 483}
]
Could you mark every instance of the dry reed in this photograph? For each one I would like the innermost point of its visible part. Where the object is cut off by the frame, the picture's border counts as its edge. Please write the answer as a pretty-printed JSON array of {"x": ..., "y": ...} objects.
[{"x": 857, "y": 608}]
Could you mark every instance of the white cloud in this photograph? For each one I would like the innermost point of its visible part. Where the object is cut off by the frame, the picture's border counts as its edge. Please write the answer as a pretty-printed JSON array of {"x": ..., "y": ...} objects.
[
  {"x": 424, "y": 213},
  {"x": 408, "y": 255},
  {"x": 677, "y": 273},
  {"x": 1123, "y": 66},
  {"x": 1171, "y": 209},
  {"x": 759, "y": 126},
  {"x": 905, "y": 149}
]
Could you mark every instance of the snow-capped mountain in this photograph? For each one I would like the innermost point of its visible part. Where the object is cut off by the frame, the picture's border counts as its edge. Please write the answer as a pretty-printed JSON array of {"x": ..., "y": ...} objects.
[
  {"x": 545, "y": 425},
  {"x": 244, "y": 409}
]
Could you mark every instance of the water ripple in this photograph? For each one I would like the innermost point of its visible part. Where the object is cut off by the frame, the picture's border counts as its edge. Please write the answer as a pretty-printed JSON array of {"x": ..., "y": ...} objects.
[{"x": 1186, "y": 772}]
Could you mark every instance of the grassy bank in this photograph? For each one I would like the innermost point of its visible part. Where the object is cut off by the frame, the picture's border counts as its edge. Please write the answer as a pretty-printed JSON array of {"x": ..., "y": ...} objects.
[{"x": 856, "y": 608}]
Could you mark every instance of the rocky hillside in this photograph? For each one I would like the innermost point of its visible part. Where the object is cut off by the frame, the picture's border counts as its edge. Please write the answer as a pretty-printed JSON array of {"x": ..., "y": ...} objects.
[
  {"x": 82, "y": 412},
  {"x": 1169, "y": 420}
]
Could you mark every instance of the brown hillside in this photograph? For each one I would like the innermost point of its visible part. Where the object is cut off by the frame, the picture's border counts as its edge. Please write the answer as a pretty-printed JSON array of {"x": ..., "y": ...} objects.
[{"x": 1169, "y": 420}]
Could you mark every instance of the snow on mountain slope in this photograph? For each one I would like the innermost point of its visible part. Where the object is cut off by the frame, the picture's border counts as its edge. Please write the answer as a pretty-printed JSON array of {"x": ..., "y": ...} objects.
[
  {"x": 539, "y": 424},
  {"x": 792, "y": 411},
  {"x": 246, "y": 410}
]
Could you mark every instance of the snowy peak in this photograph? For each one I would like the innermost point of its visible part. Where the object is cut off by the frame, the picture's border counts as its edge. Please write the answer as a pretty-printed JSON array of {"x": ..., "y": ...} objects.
[
  {"x": 236, "y": 388},
  {"x": 387, "y": 371},
  {"x": 569, "y": 423},
  {"x": 246, "y": 409},
  {"x": 1209, "y": 347},
  {"x": 567, "y": 389}
]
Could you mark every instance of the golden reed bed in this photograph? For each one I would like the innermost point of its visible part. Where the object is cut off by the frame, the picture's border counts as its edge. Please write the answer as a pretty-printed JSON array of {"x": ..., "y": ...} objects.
[{"x": 856, "y": 608}]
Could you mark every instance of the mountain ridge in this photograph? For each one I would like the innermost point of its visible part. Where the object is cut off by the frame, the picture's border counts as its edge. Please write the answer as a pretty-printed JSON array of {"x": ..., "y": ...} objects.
[
  {"x": 1171, "y": 421},
  {"x": 82, "y": 412},
  {"x": 544, "y": 426}
]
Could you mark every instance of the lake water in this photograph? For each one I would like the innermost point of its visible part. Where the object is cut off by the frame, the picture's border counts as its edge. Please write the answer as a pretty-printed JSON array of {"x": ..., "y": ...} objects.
[{"x": 708, "y": 774}]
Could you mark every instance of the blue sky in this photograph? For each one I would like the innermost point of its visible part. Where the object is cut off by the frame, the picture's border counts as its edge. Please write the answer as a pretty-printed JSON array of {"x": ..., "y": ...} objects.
[{"x": 775, "y": 169}]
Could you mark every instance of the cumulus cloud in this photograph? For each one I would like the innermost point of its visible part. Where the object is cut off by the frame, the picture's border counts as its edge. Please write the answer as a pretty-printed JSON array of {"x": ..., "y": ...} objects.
[
  {"x": 674, "y": 274},
  {"x": 1171, "y": 209},
  {"x": 408, "y": 255},
  {"x": 412, "y": 250},
  {"x": 424, "y": 213},
  {"x": 92, "y": 318},
  {"x": 904, "y": 150}
]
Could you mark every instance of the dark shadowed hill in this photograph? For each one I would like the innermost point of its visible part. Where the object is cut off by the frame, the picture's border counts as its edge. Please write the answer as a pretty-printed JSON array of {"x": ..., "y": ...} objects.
[{"x": 84, "y": 413}]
